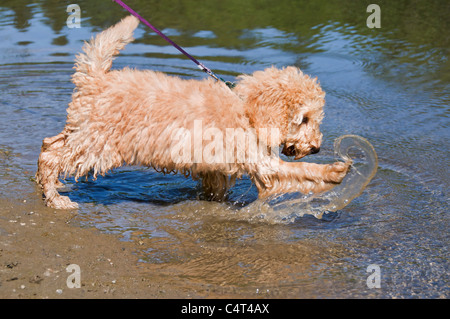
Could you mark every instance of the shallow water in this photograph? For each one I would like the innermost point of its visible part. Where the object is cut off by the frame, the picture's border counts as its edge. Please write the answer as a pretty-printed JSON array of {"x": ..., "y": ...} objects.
[{"x": 389, "y": 85}]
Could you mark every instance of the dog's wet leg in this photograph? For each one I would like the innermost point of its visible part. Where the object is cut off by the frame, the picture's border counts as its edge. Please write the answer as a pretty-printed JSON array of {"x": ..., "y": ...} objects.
[
  {"x": 300, "y": 177},
  {"x": 48, "y": 173}
]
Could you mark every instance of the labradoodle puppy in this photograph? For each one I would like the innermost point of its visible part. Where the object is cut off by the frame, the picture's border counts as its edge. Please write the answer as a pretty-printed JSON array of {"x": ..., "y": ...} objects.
[{"x": 198, "y": 128}]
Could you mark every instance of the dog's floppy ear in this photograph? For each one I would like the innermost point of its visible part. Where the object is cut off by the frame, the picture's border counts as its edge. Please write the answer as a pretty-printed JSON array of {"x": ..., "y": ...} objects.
[{"x": 266, "y": 100}]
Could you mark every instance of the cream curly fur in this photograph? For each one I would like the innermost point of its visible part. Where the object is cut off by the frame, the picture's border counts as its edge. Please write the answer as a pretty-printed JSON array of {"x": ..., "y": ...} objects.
[{"x": 128, "y": 117}]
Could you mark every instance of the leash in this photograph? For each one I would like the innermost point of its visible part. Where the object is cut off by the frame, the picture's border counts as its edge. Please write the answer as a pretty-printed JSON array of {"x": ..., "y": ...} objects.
[{"x": 162, "y": 35}]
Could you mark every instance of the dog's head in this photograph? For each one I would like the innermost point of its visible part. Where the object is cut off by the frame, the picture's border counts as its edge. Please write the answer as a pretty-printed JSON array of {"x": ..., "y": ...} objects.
[{"x": 289, "y": 100}]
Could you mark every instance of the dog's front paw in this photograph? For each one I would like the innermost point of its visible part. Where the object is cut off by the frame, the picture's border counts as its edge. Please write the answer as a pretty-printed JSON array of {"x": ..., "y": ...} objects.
[{"x": 336, "y": 172}]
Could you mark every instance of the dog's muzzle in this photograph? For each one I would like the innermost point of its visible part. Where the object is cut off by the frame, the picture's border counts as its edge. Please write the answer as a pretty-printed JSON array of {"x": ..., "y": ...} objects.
[{"x": 291, "y": 151}]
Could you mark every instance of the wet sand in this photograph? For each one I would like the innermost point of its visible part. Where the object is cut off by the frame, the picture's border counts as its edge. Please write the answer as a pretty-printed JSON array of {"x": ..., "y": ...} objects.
[{"x": 37, "y": 244}]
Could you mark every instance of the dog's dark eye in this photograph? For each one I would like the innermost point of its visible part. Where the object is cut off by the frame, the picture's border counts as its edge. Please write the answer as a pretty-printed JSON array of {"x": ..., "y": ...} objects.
[{"x": 305, "y": 120}]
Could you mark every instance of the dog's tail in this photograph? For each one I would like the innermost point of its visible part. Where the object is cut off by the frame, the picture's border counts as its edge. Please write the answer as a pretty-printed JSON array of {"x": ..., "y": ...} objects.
[{"x": 100, "y": 51}]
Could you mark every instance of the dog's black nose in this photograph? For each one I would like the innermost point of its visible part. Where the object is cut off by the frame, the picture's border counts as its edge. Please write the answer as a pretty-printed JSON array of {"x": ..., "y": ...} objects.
[{"x": 315, "y": 150}]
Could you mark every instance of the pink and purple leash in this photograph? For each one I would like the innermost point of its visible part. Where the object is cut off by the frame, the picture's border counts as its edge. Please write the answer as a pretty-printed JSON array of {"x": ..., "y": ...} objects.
[{"x": 162, "y": 35}]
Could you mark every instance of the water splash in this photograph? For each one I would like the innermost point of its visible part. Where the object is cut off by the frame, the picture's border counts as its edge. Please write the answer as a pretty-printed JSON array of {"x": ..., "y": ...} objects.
[{"x": 287, "y": 207}]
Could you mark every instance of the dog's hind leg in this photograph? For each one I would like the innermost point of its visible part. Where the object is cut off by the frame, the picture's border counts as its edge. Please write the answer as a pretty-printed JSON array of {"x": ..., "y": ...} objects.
[{"x": 48, "y": 172}]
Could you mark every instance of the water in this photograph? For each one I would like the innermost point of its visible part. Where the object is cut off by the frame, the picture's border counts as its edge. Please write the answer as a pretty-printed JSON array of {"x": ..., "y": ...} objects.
[{"x": 389, "y": 85}]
